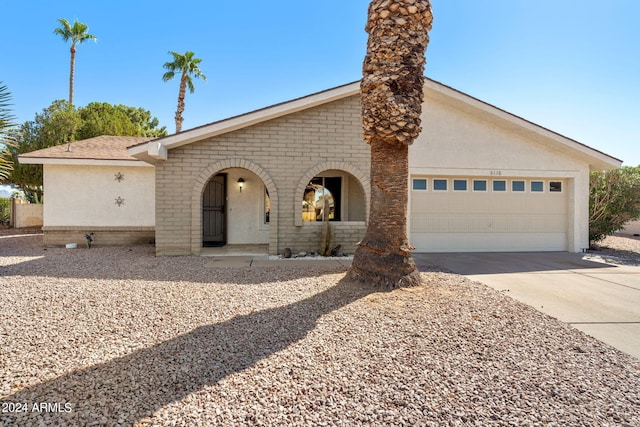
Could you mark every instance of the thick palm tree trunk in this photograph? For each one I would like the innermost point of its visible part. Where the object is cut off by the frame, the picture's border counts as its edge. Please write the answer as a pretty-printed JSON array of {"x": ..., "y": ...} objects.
[
  {"x": 383, "y": 257},
  {"x": 72, "y": 72},
  {"x": 391, "y": 96}
]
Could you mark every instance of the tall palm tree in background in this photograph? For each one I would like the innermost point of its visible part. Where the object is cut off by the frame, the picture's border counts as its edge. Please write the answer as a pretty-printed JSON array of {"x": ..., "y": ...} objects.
[
  {"x": 77, "y": 33},
  {"x": 391, "y": 95},
  {"x": 6, "y": 127},
  {"x": 187, "y": 66}
]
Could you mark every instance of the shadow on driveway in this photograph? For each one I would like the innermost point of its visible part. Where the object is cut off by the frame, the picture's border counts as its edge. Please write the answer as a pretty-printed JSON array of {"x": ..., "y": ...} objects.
[{"x": 513, "y": 262}]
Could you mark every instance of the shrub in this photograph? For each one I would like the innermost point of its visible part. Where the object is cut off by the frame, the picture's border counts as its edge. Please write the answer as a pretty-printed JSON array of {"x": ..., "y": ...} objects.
[
  {"x": 614, "y": 199},
  {"x": 5, "y": 207}
]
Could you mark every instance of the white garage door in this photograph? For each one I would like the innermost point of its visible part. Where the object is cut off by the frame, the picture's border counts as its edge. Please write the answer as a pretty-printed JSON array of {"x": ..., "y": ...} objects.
[{"x": 465, "y": 214}]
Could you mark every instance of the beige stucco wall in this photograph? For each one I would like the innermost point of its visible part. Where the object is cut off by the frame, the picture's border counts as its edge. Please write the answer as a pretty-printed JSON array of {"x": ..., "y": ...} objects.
[
  {"x": 456, "y": 139},
  {"x": 86, "y": 196},
  {"x": 245, "y": 210},
  {"x": 28, "y": 215},
  {"x": 284, "y": 153},
  {"x": 457, "y": 143}
]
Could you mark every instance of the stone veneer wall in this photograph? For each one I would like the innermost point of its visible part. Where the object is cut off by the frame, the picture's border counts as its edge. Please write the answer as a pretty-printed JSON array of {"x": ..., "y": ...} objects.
[
  {"x": 346, "y": 234},
  {"x": 102, "y": 236},
  {"x": 282, "y": 152}
]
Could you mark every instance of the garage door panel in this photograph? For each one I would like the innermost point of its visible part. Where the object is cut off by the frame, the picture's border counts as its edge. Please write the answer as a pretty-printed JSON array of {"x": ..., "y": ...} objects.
[
  {"x": 502, "y": 224},
  {"x": 480, "y": 224},
  {"x": 454, "y": 221},
  {"x": 459, "y": 223},
  {"x": 545, "y": 204},
  {"x": 430, "y": 203},
  {"x": 547, "y": 223},
  {"x": 489, "y": 242},
  {"x": 459, "y": 204}
]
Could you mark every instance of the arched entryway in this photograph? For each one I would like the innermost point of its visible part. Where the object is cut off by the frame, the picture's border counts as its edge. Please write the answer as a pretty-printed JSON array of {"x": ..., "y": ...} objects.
[{"x": 234, "y": 203}]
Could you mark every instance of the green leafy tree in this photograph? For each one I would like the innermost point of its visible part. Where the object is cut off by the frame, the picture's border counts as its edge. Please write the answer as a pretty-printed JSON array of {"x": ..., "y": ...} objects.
[
  {"x": 56, "y": 125},
  {"x": 7, "y": 128},
  {"x": 77, "y": 34},
  {"x": 101, "y": 118},
  {"x": 614, "y": 200},
  {"x": 145, "y": 123},
  {"x": 187, "y": 66}
]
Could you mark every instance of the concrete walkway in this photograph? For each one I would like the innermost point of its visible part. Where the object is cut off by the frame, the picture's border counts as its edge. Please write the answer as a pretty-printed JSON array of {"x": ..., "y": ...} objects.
[{"x": 602, "y": 300}]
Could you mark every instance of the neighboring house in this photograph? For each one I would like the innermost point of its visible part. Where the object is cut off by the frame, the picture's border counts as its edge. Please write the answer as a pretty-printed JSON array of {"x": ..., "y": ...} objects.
[
  {"x": 481, "y": 179},
  {"x": 94, "y": 186}
]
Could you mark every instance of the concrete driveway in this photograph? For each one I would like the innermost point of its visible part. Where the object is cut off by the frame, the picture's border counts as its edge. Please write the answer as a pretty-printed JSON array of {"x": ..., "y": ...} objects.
[{"x": 602, "y": 300}]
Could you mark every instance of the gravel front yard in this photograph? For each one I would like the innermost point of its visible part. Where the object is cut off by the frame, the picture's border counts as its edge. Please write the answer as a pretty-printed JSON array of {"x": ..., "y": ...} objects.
[{"x": 116, "y": 336}]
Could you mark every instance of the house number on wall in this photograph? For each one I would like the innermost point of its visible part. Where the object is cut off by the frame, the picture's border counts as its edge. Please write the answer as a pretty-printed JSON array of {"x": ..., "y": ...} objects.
[{"x": 496, "y": 173}]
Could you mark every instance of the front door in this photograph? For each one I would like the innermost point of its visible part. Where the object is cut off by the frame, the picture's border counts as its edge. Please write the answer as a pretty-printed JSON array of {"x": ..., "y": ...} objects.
[{"x": 214, "y": 224}]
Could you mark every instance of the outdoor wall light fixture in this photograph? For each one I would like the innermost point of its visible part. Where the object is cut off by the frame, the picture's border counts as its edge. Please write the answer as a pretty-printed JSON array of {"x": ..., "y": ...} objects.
[{"x": 241, "y": 183}]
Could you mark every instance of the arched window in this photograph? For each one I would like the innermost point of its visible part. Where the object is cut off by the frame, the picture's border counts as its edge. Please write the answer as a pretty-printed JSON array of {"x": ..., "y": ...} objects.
[
  {"x": 322, "y": 198},
  {"x": 332, "y": 195}
]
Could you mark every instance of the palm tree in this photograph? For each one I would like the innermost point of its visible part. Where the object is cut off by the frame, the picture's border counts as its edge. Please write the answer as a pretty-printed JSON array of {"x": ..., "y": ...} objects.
[
  {"x": 6, "y": 139},
  {"x": 187, "y": 66},
  {"x": 391, "y": 96},
  {"x": 77, "y": 33}
]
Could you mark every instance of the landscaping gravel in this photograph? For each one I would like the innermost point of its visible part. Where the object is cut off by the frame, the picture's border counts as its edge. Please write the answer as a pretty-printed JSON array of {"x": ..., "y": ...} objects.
[
  {"x": 115, "y": 336},
  {"x": 622, "y": 249}
]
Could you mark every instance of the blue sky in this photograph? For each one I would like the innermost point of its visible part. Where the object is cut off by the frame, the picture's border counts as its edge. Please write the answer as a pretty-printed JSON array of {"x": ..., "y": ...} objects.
[{"x": 571, "y": 66}]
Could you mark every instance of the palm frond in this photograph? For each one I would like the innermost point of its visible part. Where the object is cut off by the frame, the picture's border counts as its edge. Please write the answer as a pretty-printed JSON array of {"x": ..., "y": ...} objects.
[
  {"x": 77, "y": 32},
  {"x": 7, "y": 128}
]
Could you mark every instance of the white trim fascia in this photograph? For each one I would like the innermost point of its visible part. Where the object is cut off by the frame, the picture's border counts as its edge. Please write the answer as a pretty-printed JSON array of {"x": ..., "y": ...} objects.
[
  {"x": 158, "y": 148},
  {"x": 81, "y": 162},
  {"x": 513, "y": 122},
  {"x": 139, "y": 148}
]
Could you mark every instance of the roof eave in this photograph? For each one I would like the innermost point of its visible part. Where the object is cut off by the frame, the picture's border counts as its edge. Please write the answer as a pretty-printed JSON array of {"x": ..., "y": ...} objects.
[{"x": 81, "y": 162}]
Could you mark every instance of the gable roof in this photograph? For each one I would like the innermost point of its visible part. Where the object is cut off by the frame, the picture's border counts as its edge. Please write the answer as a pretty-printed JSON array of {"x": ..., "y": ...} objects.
[
  {"x": 105, "y": 149},
  {"x": 158, "y": 150}
]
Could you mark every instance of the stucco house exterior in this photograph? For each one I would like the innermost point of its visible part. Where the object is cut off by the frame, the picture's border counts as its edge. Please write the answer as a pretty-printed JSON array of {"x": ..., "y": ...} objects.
[
  {"x": 94, "y": 186},
  {"x": 481, "y": 179}
]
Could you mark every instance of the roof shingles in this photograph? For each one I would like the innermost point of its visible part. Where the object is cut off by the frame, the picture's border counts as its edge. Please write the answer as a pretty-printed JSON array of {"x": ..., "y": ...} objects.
[{"x": 103, "y": 147}]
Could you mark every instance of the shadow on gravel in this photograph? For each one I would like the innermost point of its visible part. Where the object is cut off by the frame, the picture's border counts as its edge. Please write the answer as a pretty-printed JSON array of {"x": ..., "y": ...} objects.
[
  {"x": 130, "y": 388},
  {"x": 134, "y": 263},
  {"x": 616, "y": 256}
]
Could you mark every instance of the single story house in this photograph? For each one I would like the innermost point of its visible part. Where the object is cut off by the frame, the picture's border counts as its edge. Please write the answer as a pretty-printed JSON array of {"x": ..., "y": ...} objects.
[{"x": 481, "y": 179}]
